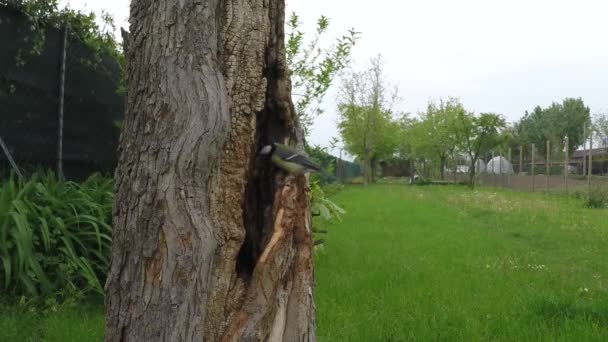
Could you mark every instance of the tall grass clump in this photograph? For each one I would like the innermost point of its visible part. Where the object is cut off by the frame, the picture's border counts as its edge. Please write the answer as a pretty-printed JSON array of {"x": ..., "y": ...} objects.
[
  {"x": 597, "y": 199},
  {"x": 55, "y": 236}
]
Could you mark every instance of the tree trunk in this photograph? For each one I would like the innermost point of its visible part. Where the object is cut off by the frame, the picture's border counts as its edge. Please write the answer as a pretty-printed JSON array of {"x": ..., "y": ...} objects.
[
  {"x": 472, "y": 172},
  {"x": 424, "y": 170},
  {"x": 366, "y": 166},
  {"x": 412, "y": 169},
  {"x": 442, "y": 166},
  {"x": 374, "y": 165},
  {"x": 211, "y": 242},
  {"x": 454, "y": 168}
]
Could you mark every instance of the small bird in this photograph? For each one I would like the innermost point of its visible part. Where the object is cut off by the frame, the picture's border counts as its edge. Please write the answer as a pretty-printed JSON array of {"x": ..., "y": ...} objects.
[{"x": 290, "y": 160}]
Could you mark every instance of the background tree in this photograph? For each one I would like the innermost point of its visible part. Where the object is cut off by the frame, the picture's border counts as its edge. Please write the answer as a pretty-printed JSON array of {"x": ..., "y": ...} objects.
[
  {"x": 478, "y": 135},
  {"x": 313, "y": 68},
  {"x": 386, "y": 148},
  {"x": 511, "y": 138},
  {"x": 407, "y": 147},
  {"x": 555, "y": 123},
  {"x": 365, "y": 123},
  {"x": 435, "y": 133},
  {"x": 600, "y": 127},
  {"x": 210, "y": 242}
]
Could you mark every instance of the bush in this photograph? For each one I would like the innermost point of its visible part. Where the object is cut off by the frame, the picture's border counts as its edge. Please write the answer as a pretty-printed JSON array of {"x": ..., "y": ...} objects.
[
  {"x": 597, "y": 199},
  {"x": 54, "y": 235}
]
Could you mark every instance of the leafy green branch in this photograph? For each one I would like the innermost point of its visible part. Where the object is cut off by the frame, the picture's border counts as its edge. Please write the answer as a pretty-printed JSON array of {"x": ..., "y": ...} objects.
[
  {"x": 321, "y": 206},
  {"x": 44, "y": 14},
  {"x": 313, "y": 68}
]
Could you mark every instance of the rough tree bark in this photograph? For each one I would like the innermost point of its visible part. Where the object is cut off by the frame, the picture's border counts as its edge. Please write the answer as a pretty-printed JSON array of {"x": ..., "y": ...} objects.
[{"x": 211, "y": 243}]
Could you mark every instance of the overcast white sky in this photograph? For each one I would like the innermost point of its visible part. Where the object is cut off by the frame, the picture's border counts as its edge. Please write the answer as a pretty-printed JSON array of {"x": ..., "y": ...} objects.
[{"x": 499, "y": 56}]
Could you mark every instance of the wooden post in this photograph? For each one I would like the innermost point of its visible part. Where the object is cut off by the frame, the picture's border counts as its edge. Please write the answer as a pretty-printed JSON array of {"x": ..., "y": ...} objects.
[
  {"x": 509, "y": 174},
  {"x": 585, "y": 149},
  {"x": 566, "y": 148},
  {"x": 548, "y": 166},
  {"x": 493, "y": 168},
  {"x": 590, "y": 164},
  {"x": 521, "y": 160},
  {"x": 533, "y": 164}
]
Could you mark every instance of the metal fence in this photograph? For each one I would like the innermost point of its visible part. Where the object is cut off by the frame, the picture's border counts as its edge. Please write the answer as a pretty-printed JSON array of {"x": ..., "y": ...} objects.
[
  {"x": 551, "y": 169},
  {"x": 60, "y": 104}
]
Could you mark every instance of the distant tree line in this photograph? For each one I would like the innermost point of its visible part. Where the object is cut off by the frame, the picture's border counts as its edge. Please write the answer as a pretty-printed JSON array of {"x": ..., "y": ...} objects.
[{"x": 447, "y": 133}]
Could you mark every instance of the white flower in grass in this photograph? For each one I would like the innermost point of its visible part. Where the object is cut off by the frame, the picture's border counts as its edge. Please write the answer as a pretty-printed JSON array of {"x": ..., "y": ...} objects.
[{"x": 537, "y": 267}]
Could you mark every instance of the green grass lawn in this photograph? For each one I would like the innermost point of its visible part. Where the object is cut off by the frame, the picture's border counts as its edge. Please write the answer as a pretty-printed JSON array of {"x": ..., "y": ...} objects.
[
  {"x": 447, "y": 263},
  {"x": 52, "y": 324},
  {"x": 433, "y": 263}
]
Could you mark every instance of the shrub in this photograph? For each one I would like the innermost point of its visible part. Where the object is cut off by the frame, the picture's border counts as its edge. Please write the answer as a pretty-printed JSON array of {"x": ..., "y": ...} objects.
[
  {"x": 597, "y": 199},
  {"x": 54, "y": 235}
]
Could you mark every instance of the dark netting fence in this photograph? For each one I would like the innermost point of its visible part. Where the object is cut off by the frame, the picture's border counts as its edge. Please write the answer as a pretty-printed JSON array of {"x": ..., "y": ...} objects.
[
  {"x": 346, "y": 170},
  {"x": 79, "y": 136}
]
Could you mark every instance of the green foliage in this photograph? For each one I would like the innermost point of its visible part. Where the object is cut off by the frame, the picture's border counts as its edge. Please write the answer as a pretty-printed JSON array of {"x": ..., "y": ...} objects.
[
  {"x": 366, "y": 122},
  {"x": 447, "y": 131},
  {"x": 55, "y": 236},
  {"x": 43, "y": 14},
  {"x": 510, "y": 138},
  {"x": 323, "y": 208},
  {"x": 479, "y": 135},
  {"x": 313, "y": 68},
  {"x": 600, "y": 128},
  {"x": 327, "y": 162},
  {"x": 555, "y": 123},
  {"x": 434, "y": 135},
  {"x": 597, "y": 199}
]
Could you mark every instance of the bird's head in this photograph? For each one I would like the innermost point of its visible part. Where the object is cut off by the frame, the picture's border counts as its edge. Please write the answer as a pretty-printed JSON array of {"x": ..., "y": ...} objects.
[{"x": 266, "y": 150}]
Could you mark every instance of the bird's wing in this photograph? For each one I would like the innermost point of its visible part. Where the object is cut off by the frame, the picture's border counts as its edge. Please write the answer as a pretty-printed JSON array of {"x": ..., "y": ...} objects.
[
  {"x": 295, "y": 157},
  {"x": 302, "y": 160},
  {"x": 292, "y": 157}
]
